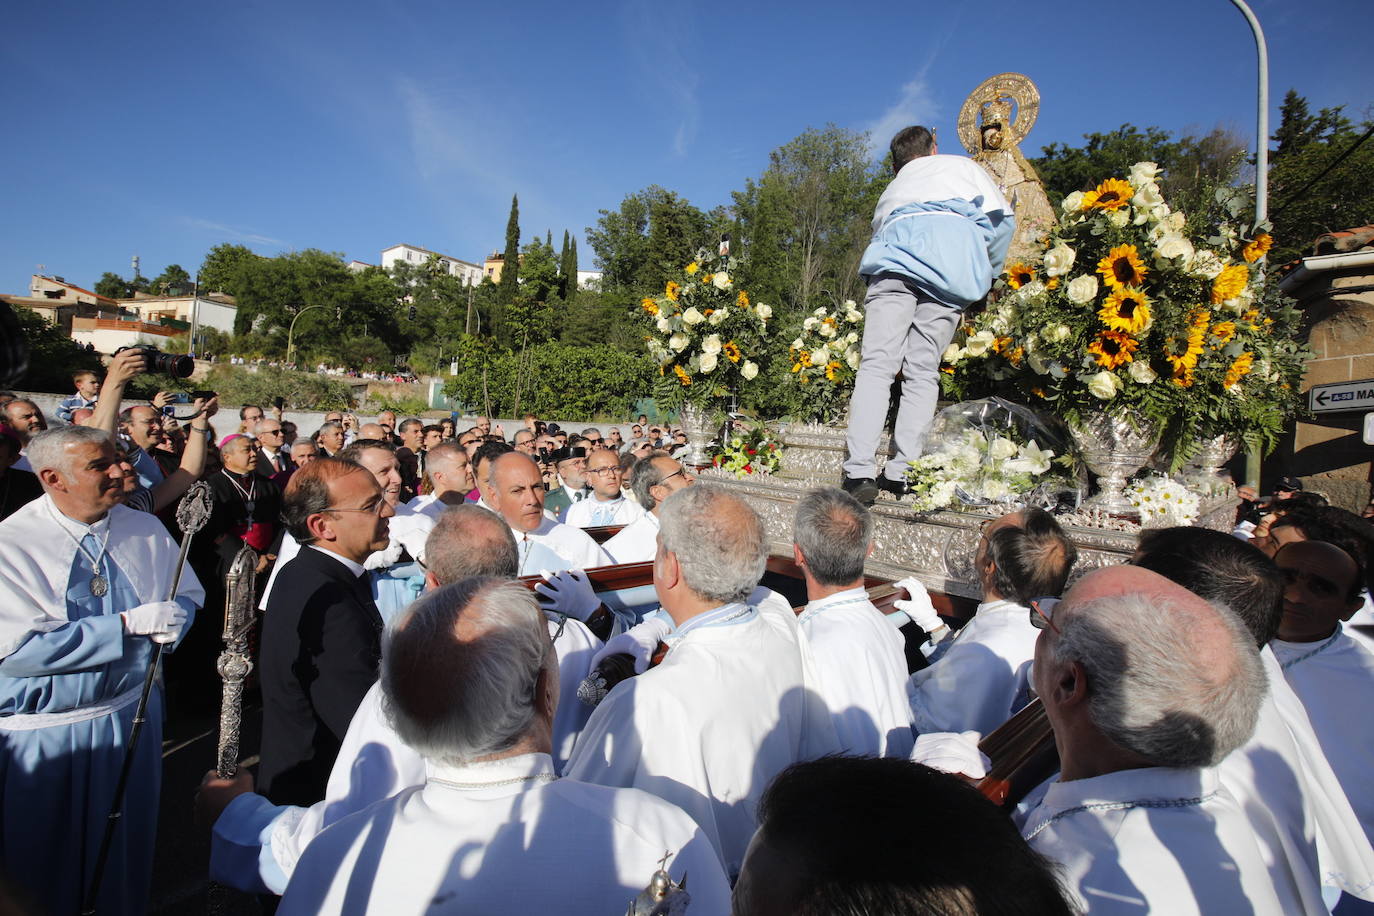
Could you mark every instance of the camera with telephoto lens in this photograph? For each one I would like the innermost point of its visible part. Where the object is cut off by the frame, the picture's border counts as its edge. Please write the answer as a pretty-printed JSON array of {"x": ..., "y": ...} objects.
[{"x": 166, "y": 363}]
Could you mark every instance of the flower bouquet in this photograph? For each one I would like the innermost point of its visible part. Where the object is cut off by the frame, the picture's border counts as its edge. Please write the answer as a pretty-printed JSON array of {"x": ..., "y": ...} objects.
[
  {"x": 825, "y": 358},
  {"x": 704, "y": 334},
  {"x": 1137, "y": 311},
  {"x": 1163, "y": 502},
  {"x": 750, "y": 450},
  {"x": 990, "y": 452}
]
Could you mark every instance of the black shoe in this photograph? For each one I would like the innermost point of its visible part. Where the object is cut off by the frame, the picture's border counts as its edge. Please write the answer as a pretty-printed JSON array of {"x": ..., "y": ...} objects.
[
  {"x": 861, "y": 488},
  {"x": 896, "y": 487}
]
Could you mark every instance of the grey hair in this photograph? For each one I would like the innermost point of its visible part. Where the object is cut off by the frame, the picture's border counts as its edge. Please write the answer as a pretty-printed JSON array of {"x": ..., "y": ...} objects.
[
  {"x": 1149, "y": 690},
  {"x": 329, "y": 425},
  {"x": 447, "y": 452},
  {"x": 48, "y": 449},
  {"x": 833, "y": 530},
  {"x": 718, "y": 539},
  {"x": 468, "y": 540},
  {"x": 644, "y": 476},
  {"x": 461, "y": 666}
]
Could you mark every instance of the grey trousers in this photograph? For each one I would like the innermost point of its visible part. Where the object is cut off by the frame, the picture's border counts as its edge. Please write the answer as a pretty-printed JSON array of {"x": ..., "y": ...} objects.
[{"x": 904, "y": 329}]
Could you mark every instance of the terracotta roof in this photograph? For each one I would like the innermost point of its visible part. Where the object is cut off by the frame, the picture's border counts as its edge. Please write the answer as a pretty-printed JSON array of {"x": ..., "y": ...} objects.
[{"x": 78, "y": 289}]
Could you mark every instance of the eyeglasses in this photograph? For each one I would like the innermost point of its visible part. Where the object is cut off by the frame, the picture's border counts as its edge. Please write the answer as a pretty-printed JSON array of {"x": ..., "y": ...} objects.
[
  {"x": 374, "y": 509},
  {"x": 596, "y": 441},
  {"x": 1040, "y": 618},
  {"x": 602, "y": 472},
  {"x": 682, "y": 471},
  {"x": 269, "y": 432}
]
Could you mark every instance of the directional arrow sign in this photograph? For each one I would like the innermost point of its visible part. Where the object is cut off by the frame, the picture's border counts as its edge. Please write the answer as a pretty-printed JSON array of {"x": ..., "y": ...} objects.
[{"x": 1342, "y": 396}]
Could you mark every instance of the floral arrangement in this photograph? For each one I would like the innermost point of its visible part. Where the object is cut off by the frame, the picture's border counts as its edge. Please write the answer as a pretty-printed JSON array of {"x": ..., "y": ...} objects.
[
  {"x": 751, "y": 450},
  {"x": 1163, "y": 502},
  {"x": 825, "y": 358},
  {"x": 703, "y": 333},
  {"x": 1133, "y": 308},
  {"x": 982, "y": 452}
]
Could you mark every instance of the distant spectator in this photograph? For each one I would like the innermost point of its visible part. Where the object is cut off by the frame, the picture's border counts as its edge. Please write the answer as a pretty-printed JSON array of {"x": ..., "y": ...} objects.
[{"x": 87, "y": 385}]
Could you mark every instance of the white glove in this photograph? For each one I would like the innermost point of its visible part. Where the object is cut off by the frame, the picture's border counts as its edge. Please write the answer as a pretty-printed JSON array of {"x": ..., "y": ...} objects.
[
  {"x": 162, "y": 620},
  {"x": 952, "y": 752},
  {"x": 639, "y": 641},
  {"x": 569, "y": 592},
  {"x": 919, "y": 608}
]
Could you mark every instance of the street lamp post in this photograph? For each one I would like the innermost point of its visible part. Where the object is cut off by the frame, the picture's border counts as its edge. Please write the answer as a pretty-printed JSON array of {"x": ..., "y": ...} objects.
[
  {"x": 1262, "y": 128},
  {"x": 291, "y": 332}
]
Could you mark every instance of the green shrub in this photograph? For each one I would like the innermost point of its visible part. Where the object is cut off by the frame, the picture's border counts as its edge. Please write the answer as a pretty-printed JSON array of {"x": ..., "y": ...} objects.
[
  {"x": 53, "y": 356},
  {"x": 302, "y": 390}
]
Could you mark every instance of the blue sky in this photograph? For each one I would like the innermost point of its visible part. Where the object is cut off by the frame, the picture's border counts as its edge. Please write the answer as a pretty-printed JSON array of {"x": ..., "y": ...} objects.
[{"x": 163, "y": 129}]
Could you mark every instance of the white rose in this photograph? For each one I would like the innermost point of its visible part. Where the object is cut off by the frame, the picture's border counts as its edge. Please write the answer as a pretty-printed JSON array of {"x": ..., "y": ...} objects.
[
  {"x": 952, "y": 353},
  {"x": 809, "y": 323},
  {"x": 692, "y": 316},
  {"x": 1001, "y": 448},
  {"x": 1104, "y": 385},
  {"x": 711, "y": 344},
  {"x": 851, "y": 337},
  {"x": 749, "y": 370},
  {"x": 978, "y": 344},
  {"x": 1118, "y": 219},
  {"x": 1174, "y": 221},
  {"x": 1142, "y": 373},
  {"x": 820, "y": 356},
  {"x": 1175, "y": 247},
  {"x": 1059, "y": 259},
  {"x": 1082, "y": 290},
  {"x": 1032, "y": 291},
  {"x": 826, "y": 330},
  {"x": 719, "y": 315},
  {"x": 820, "y": 312},
  {"x": 852, "y": 357},
  {"x": 708, "y": 362},
  {"x": 1147, "y": 197},
  {"x": 1060, "y": 332},
  {"x": 1038, "y": 364},
  {"x": 1073, "y": 203},
  {"x": 721, "y": 280},
  {"x": 853, "y": 316},
  {"x": 764, "y": 311},
  {"x": 798, "y": 344},
  {"x": 1143, "y": 173},
  {"x": 1206, "y": 264},
  {"x": 678, "y": 342},
  {"x": 664, "y": 325}
]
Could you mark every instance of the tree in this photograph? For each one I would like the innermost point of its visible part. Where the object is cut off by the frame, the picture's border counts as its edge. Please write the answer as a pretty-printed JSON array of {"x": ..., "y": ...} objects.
[
  {"x": 567, "y": 268},
  {"x": 174, "y": 280},
  {"x": 1312, "y": 188},
  {"x": 224, "y": 266},
  {"x": 510, "y": 266},
  {"x": 112, "y": 286},
  {"x": 53, "y": 356}
]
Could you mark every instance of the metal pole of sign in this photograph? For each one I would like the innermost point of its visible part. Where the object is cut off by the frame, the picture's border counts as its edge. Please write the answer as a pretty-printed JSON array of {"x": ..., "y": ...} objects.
[{"x": 1252, "y": 456}]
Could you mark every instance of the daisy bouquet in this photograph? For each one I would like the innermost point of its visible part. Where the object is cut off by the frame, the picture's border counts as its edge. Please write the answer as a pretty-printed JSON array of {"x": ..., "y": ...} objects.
[
  {"x": 1163, "y": 502},
  {"x": 989, "y": 452},
  {"x": 1134, "y": 307},
  {"x": 825, "y": 358},
  {"x": 704, "y": 333}
]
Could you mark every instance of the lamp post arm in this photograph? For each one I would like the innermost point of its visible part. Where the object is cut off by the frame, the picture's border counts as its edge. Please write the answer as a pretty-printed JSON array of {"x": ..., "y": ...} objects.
[{"x": 1262, "y": 128}]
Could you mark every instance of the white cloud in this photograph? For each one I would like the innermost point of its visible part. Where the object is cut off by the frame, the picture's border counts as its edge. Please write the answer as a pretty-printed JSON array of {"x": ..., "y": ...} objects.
[
  {"x": 232, "y": 232},
  {"x": 664, "y": 68},
  {"x": 913, "y": 106}
]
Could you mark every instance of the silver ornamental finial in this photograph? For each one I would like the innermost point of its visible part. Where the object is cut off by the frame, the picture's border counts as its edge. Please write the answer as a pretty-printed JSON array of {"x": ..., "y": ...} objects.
[
  {"x": 663, "y": 896},
  {"x": 194, "y": 509}
]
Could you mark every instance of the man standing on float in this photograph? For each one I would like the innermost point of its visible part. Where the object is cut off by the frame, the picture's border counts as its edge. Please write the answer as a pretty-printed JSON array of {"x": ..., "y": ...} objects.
[{"x": 940, "y": 235}]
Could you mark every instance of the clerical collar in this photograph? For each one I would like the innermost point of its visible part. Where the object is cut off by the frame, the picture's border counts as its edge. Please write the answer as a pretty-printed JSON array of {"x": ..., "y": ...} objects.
[
  {"x": 355, "y": 568},
  {"x": 857, "y": 595}
]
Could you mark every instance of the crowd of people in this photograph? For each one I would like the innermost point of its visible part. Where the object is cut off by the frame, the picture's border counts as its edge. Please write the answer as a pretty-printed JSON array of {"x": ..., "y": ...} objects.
[{"x": 429, "y": 630}]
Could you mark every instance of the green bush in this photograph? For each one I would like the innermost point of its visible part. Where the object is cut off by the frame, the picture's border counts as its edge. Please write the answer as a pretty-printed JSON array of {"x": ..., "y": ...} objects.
[
  {"x": 53, "y": 356},
  {"x": 551, "y": 379},
  {"x": 302, "y": 390}
]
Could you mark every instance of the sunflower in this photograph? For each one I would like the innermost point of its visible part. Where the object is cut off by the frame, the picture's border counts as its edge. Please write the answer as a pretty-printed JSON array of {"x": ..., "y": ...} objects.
[
  {"x": 1001, "y": 344},
  {"x": 1127, "y": 310},
  {"x": 803, "y": 359},
  {"x": 671, "y": 290},
  {"x": 1019, "y": 274},
  {"x": 682, "y": 375},
  {"x": 1257, "y": 247},
  {"x": 692, "y": 268},
  {"x": 830, "y": 371},
  {"x": 649, "y": 305},
  {"x": 730, "y": 351},
  {"x": 742, "y": 300},
  {"x": 1112, "y": 194},
  {"x": 1052, "y": 283},
  {"x": 1112, "y": 349},
  {"x": 1239, "y": 369},
  {"x": 1122, "y": 267},
  {"x": 1230, "y": 283},
  {"x": 1183, "y": 353},
  {"x": 1221, "y": 333}
]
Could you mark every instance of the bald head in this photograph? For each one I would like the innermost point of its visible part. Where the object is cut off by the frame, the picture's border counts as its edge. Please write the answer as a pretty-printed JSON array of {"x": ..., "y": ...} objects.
[
  {"x": 371, "y": 431},
  {"x": 468, "y": 540},
  {"x": 518, "y": 490},
  {"x": 1160, "y": 674}
]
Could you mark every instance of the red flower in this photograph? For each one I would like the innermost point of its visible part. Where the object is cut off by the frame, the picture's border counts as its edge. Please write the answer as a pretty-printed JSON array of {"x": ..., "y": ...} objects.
[
  {"x": 750, "y": 451},
  {"x": 748, "y": 469}
]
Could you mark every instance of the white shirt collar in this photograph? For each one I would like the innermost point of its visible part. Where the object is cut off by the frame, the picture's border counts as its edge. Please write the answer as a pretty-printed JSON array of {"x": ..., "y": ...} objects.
[
  {"x": 355, "y": 568},
  {"x": 78, "y": 529},
  {"x": 515, "y": 774},
  {"x": 844, "y": 597}
]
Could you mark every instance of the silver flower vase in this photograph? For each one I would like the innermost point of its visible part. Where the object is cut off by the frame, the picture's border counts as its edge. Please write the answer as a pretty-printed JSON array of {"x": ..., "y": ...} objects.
[
  {"x": 698, "y": 423},
  {"x": 1114, "y": 446}
]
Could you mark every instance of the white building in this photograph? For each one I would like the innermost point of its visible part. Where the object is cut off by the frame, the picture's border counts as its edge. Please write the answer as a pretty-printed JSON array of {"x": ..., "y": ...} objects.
[
  {"x": 211, "y": 310},
  {"x": 109, "y": 334},
  {"x": 589, "y": 279},
  {"x": 466, "y": 271}
]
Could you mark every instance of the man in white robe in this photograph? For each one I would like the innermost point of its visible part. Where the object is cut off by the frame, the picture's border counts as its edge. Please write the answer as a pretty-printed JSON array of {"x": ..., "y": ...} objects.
[
  {"x": 979, "y": 678},
  {"x": 1327, "y": 669},
  {"x": 607, "y": 504},
  {"x": 730, "y": 705},
  {"x": 84, "y": 583},
  {"x": 493, "y": 829},
  {"x": 652, "y": 480},
  {"x": 450, "y": 476},
  {"x": 518, "y": 491},
  {"x": 1303, "y": 822},
  {"x": 255, "y": 845},
  {"x": 859, "y": 657},
  {"x": 1147, "y": 688}
]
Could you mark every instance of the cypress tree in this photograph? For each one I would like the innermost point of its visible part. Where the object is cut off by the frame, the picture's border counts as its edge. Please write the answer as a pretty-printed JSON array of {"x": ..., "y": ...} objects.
[
  {"x": 566, "y": 286},
  {"x": 510, "y": 267}
]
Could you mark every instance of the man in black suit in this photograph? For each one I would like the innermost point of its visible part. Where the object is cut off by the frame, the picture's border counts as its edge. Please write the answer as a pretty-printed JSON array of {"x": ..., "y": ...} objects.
[
  {"x": 321, "y": 636},
  {"x": 274, "y": 458}
]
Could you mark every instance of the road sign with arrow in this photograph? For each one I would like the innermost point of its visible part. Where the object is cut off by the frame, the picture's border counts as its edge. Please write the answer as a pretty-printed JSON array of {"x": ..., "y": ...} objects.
[{"x": 1343, "y": 396}]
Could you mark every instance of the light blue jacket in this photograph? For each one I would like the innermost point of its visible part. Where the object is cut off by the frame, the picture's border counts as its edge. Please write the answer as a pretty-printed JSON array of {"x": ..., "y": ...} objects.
[{"x": 951, "y": 249}]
